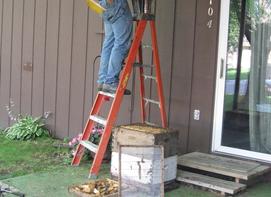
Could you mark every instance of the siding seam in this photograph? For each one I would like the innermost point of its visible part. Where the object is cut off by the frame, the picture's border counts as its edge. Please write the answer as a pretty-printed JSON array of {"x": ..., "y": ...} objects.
[
  {"x": 72, "y": 39},
  {"x": 172, "y": 61},
  {"x": 192, "y": 80},
  {"x": 33, "y": 54},
  {"x": 45, "y": 54},
  {"x": 57, "y": 62},
  {"x": 86, "y": 63},
  {"x": 22, "y": 45},
  {"x": 2, "y": 10},
  {"x": 11, "y": 55}
]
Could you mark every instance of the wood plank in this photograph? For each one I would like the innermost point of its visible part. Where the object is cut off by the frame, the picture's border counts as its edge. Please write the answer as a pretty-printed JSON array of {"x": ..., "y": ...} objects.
[
  {"x": 78, "y": 69},
  {"x": 183, "y": 49},
  {"x": 38, "y": 59},
  {"x": 222, "y": 165},
  {"x": 51, "y": 56},
  {"x": 5, "y": 61},
  {"x": 210, "y": 182},
  {"x": 165, "y": 20},
  {"x": 16, "y": 65},
  {"x": 64, "y": 68},
  {"x": 258, "y": 171},
  {"x": 130, "y": 158},
  {"x": 139, "y": 134},
  {"x": 94, "y": 41},
  {"x": 203, "y": 77},
  {"x": 27, "y": 56}
]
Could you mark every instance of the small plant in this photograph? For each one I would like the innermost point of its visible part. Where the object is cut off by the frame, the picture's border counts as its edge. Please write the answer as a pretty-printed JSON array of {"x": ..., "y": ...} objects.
[
  {"x": 94, "y": 138},
  {"x": 74, "y": 143},
  {"x": 96, "y": 134},
  {"x": 26, "y": 128}
]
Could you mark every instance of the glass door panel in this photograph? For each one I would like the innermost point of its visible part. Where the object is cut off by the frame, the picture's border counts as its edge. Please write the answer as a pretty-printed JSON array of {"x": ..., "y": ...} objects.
[{"x": 246, "y": 122}]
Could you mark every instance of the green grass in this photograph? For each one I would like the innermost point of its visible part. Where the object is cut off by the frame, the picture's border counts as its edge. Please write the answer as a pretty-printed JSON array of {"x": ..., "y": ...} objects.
[
  {"x": 228, "y": 100},
  {"x": 231, "y": 73},
  {"x": 24, "y": 157}
]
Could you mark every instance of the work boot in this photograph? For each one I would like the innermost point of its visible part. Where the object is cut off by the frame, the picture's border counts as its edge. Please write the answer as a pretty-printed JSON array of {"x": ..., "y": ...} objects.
[
  {"x": 100, "y": 87},
  {"x": 112, "y": 88}
]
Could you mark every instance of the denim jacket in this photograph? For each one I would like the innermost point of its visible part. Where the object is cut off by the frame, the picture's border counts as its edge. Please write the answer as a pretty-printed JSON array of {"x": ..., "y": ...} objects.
[{"x": 114, "y": 10}]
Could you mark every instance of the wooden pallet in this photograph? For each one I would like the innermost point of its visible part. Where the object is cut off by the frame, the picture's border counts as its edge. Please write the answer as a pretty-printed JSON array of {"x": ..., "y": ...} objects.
[
  {"x": 226, "y": 175},
  {"x": 220, "y": 185}
]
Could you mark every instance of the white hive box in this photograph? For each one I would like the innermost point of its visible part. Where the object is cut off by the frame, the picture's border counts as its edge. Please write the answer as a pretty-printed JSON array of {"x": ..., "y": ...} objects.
[{"x": 139, "y": 168}]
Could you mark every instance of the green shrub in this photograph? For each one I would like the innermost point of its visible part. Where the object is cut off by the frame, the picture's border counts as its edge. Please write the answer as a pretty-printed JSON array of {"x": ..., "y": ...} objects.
[{"x": 26, "y": 128}]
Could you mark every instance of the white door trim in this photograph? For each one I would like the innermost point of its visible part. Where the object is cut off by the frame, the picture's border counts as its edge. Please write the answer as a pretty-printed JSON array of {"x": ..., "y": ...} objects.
[
  {"x": 220, "y": 79},
  {"x": 219, "y": 95}
]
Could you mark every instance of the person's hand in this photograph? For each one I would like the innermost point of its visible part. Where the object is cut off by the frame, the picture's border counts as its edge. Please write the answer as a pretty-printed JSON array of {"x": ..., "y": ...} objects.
[{"x": 110, "y": 1}]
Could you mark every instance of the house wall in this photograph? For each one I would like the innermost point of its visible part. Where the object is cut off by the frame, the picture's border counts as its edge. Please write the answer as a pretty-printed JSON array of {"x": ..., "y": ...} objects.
[{"x": 47, "y": 52}]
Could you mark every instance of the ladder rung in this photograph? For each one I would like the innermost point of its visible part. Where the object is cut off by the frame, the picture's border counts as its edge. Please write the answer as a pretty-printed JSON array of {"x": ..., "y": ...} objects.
[
  {"x": 98, "y": 119},
  {"x": 146, "y": 46},
  {"x": 143, "y": 65},
  {"x": 149, "y": 123},
  {"x": 152, "y": 101},
  {"x": 107, "y": 94},
  {"x": 90, "y": 146},
  {"x": 149, "y": 77}
]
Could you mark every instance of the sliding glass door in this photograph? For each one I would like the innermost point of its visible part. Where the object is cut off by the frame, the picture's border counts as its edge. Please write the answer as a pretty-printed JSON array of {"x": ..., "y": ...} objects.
[{"x": 242, "y": 124}]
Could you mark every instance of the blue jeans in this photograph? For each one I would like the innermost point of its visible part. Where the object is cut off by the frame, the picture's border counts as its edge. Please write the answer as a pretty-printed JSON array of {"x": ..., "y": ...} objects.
[{"x": 118, "y": 27}]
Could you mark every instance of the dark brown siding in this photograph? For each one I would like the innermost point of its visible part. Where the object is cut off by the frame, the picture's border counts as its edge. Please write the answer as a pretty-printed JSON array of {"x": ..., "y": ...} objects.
[
  {"x": 39, "y": 57},
  {"x": 179, "y": 115},
  {"x": 6, "y": 57},
  {"x": 47, "y": 53},
  {"x": 203, "y": 77},
  {"x": 64, "y": 68}
]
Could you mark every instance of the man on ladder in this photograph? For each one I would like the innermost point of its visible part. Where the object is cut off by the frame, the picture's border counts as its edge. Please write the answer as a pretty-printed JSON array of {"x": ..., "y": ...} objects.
[{"x": 118, "y": 29}]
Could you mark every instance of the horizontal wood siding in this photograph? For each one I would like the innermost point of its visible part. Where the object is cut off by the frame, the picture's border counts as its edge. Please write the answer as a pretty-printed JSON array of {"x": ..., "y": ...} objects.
[{"x": 48, "y": 48}]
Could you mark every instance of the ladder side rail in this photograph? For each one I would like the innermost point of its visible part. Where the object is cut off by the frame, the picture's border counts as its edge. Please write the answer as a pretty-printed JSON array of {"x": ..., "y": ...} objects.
[
  {"x": 87, "y": 130},
  {"x": 142, "y": 85},
  {"x": 158, "y": 74},
  {"x": 117, "y": 101}
]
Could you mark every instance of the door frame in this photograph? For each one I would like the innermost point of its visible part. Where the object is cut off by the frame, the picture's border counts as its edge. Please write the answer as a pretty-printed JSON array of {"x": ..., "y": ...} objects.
[{"x": 220, "y": 90}]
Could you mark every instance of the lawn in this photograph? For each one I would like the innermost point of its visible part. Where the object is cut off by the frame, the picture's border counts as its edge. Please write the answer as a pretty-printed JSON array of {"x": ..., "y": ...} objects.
[
  {"x": 231, "y": 74},
  {"x": 39, "y": 168},
  {"x": 24, "y": 157}
]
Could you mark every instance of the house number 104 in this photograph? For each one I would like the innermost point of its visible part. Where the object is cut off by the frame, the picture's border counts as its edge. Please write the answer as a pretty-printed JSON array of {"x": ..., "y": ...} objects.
[{"x": 210, "y": 14}]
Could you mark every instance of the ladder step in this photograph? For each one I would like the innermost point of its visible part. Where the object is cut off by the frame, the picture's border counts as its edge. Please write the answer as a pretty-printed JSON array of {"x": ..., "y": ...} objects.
[
  {"x": 107, "y": 94},
  {"x": 151, "y": 101},
  {"x": 150, "y": 124},
  {"x": 143, "y": 65},
  {"x": 98, "y": 119},
  {"x": 90, "y": 146},
  {"x": 146, "y": 46},
  {"x": 149, "y": 77}
]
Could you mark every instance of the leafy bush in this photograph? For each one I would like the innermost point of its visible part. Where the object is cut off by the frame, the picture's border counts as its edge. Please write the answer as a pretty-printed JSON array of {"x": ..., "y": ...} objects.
[{"x": 26, "y": 128}]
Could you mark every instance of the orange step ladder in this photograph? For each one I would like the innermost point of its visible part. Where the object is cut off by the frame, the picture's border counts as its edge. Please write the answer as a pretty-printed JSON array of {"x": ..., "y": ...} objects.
[{"x": 102, "y": 97}]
